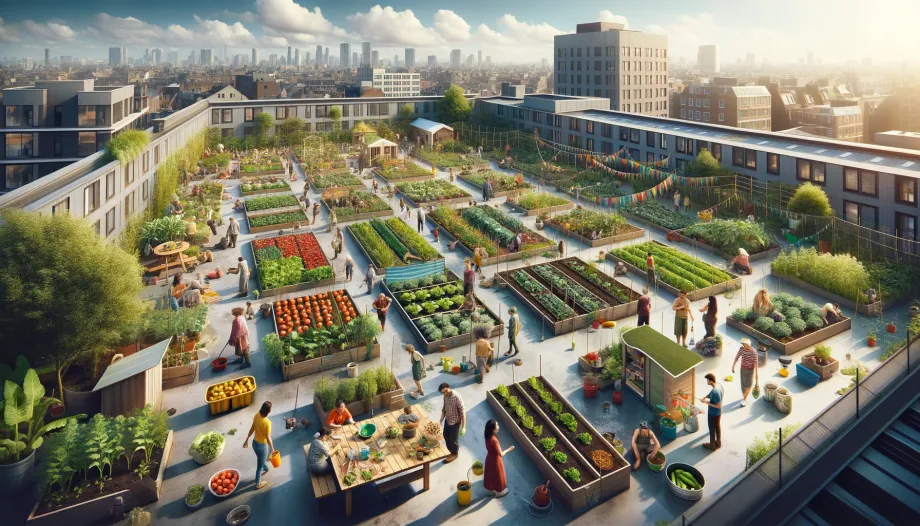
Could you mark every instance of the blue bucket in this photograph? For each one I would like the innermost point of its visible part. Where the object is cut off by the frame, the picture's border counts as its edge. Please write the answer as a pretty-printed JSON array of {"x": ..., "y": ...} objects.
[
  {"x": 668, "y": 428},
  {"x": 464, "y": 367}
]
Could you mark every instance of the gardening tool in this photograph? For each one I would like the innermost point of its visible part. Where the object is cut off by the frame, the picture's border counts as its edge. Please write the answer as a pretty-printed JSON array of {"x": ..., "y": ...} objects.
[
  {"x": 692, "y": 336},
  {"x": 219, "y": 364}
]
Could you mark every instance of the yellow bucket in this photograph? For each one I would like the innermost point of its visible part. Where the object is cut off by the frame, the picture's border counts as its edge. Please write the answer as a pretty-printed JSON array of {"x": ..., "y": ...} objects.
[{"x": 464, "y": 493}]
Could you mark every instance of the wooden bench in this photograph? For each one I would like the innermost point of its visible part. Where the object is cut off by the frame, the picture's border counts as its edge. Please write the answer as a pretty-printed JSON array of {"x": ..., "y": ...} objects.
[{"x": 323, "y": 485}]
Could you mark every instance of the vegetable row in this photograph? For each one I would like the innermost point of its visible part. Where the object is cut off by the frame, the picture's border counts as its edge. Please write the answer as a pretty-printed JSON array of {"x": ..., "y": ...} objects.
[
  {"x": 674, "y": 267},
  {"x": 388, "y": 242},
  {"x": 290, "y": 260}
]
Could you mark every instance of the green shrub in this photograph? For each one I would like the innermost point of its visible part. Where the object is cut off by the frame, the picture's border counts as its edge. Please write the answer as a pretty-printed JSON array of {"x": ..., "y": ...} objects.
[
  {"x": 761, "y": 447},
  {"x": 764, "y": 323},
  {"x": 792, "y": 312},
  {"x": 797, "y": 325},
  {"x": 741, "y": 314},
  {"x": 385, "y": 380},
  {"x": 347, "y": 390},
  {"x": 823, "y": 352},
  {"x": 810, "y": 200},
  {"x": 127, "y": 145},
  {"x": 814, "y": 322},
  {"x": 751, "y": 315},
  {"x": 781, "y": 330},
  {"x": 327, "y": 389}
]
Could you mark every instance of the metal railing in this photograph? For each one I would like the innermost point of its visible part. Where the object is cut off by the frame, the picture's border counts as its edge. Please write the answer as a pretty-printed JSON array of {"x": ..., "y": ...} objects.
[{"x": 749, "y": 490}]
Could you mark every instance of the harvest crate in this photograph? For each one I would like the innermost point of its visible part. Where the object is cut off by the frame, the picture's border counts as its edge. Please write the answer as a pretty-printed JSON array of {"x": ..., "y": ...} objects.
[{"x": 234, "y": 402}]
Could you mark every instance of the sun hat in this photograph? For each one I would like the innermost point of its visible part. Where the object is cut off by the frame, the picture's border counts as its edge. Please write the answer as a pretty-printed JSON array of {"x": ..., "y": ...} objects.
[
  {"x": 512, "y": 310},
  {"x": 742, "y": 251},
  {"x": 745, "y": 341}
]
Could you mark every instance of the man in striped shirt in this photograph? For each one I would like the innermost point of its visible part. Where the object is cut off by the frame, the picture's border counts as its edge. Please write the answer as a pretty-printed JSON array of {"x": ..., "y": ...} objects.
[{"x": 749, "y": 369}]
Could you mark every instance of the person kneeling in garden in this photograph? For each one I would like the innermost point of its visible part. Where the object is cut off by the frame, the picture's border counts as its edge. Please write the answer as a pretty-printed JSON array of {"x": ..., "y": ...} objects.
[
  {"x": 742, "y": 262},
  {"x": 644, "y": 444}
]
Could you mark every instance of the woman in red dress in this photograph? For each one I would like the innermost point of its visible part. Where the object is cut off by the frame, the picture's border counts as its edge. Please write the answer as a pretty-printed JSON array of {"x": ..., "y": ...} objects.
[{"x": 494, "y": 480}]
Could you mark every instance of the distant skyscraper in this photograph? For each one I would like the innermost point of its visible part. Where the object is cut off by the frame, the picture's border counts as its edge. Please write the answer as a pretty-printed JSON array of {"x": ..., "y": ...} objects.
[
  {"x": 273, "y": 60},
  {"x": 707, "y": 59},
  {"x": 395, "y": 60},
  {"x": 296, "y": 58},
  {"x": 432, "y": 61},
  {"x": 751, "y": 59},
  {"x": 289, "y": 56},
  {"x": 207, "y": 57},
  {"x": 469, "y": 60},
  {"x": 344, "y": 54},
  {"x": 455, "y": 58},
  {"x": 115, "y": 56},
  {"x": 375, "y": 58},
  {"x": 47, "y": 57},
  {"x": 326, "y": 57},
  {"x": 306, "y": 59},
  {"x": 354, "y": 59},
  {"x": 410, "y": 57},
  {"x": 479, "y": 61},
  {"x": 124, "y": 55},
  {"x": 319, "y": 55},
  {"x": 365, "y": 53},
  {"x": 156, "y": 56},
  {"x": 255, "y": 57},
  {"x": 173, "y": 57}
]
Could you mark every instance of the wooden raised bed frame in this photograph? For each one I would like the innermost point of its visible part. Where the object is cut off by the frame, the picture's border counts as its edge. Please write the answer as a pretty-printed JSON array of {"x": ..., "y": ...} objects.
[
  {"x": 281, "y": 226},
  {"x": 718, "y": 288},
  {"x": 593, "y": 243},
  {"x": 358, "y": 217},
  {"x": 799, "y": 343},
  {"x": 537, "y": 211},
  {"x": 297, "y": 287},
  {"x": 286, "y": 188},
  {"x": 415, "y": 179},
  {"x": 502, "y": 193},
  {"x": 873, "y": 309},
  {"x": 441, "y": 202},
  {"x": 824, "y": 371},
  {"x": 325, "y": 363},
  {"x": 501, "y": 258},
  {"x": 180, "y": 375},
  {"x": 139, "y": 494},
  {"x": 389, "y": 401}
]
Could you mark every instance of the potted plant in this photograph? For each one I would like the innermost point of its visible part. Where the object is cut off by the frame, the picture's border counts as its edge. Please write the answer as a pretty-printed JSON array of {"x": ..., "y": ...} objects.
[
  {"x": 821, "y": 362},
  {"x": 478, "y": 468},
  {"x": 593, "y": 359},
  {"x": 872, "y": 339},
  {"x": 541, "y": 218},
  {"x": 206, "y": 447},
  {"x": 891, "y": 328},
  {"x": 23, "y": 428},
  {"x": 590, "y": 385},
  {"x": 194, "y": 496}
]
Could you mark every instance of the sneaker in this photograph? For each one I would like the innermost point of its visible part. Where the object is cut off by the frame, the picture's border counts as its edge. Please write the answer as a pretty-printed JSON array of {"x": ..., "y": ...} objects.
[
  {"x": 744, "y": 403},
  {"x": 262, "y": 484},
  {"x": 414, "y": 395}
]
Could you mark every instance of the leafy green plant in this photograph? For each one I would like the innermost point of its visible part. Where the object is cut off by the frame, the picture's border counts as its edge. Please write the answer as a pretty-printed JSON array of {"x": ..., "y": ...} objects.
[
  {"x": 127, "y": 145},
  {"x": 570, "y": 288},
  {"x": 555, "y": 407},
  {"x": 327, "y": 389},
  {"x": 270, "y": 201},
  {"x": 560, "y": 457},
  {"x": 728, "y": 235},
  {"x": 194, "y": 494},
  {"x": 548, "y": 443},
  {"x": 762, "y": 446},
  {"x": 502, "y": 391},
  {"x": 375, "y": 246},
  {"x": 534, "y": 201},
  {"x": 161, "y": 230},
  {"x": 572, "y": 474},
  {"x": 476, "y": 217},
  {"x": 450, "y": 220},
  {"x": 347, "y": 390},
  {"x": 677, "y": 269},
  {"x": 367, "y": 385},
  {"x": 781, "y": 330},
  {"x": 584, "y": 438},
  {"x": 416, "y": 243},
  {"x": 823, "y": 352},
  {"x": 520, "y": 411},
  {"x": 585, "y": 222},
  {"x": 764, "y": 323},
  {"x": 527, "y": 422},
  {"x": 277, "y": 219},
  {"x": 556, "y": 307},
  {"x": 810, "y": 200},
  {"x": 568, "y": 420},
  {"x": 657, "y": 213},
  {"x": 428, "y": 191},
  {"x": 207, "y": 445},
  {"x": 538, "y": 430}
]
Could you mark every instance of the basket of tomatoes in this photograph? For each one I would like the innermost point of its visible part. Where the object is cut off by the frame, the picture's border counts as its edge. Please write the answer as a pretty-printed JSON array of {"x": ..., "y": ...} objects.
[
  {"x": 230, "y": 394},
  {"x": 224, "y": 482},
  {"x": 316, "y": 311}
]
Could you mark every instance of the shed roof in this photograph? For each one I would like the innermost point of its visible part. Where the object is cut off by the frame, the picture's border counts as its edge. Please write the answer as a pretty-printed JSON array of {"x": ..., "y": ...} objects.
[
  {"x": 429, "y": 126},
  {"x": 673, "y": 358},
  {"x": 133, "y": 365}
]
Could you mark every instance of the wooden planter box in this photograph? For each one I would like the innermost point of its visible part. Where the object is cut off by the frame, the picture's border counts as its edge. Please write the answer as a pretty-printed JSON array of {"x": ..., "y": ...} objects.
[
  {"x": 260, "y": 174},
  {"x": 336, "y": 190},
  {"x": 415, "y": 179},
  {"x": 538, "y": 211},
  {"x": 389, "y": 401},
  {"x": 181, "y": 375},
  {"x": 324, "y": 363},
  {"x": 501, "y": 258},
  {"x": 359, "y": 217},
  {"x": 626, "y": 236},
  {"x": 764, "y": 254},
  {"x": 588, "y": 368},
  {"x": 275, "y": 228},
  {"x": 270, "y": 211},
  {"x": 140, "y": 493},
  {"x": 470, "y": 167},
  {"x": 718, "y": 288},
  {"x": 440, "y": 202},
  {"x": 824, "y": 371},
  {"x": 501, "y": 193},
  {"x": 798, "y": 344},
  {"x": 866, "y": 310},
  {"x": 380, "y": 271},
  {"x": 268, "y": 191}
]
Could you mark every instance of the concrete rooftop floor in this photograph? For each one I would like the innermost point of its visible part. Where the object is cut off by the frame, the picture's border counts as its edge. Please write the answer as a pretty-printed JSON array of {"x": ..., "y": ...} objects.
[{"x": 289, "y": 497}]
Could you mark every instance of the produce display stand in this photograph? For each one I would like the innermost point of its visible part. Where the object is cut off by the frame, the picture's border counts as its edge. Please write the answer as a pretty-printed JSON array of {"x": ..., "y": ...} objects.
[
  {"x": 698, "y": 294},
  {"x": 415, "y": 179},
  {"x": 655, "y": 368},
  {"x": 390, "y": 401},
  {"x": 631, "y": 233},
  {"x": 99, "y": 510},
  {"x": 537, "y": 211},
  {"x": 296, "y": 287},
  {"x": 802, "y": 342},
  {"x": 448, "y": 343},
  {"x": 872, "y": 309},
  {"x": 502, "y": 193},
  {"x": 359, "y": 217},
  {"x": 400, "y": 466},
  {"x": 615, "y": 311},
  {"x": 233, "y": 402}
]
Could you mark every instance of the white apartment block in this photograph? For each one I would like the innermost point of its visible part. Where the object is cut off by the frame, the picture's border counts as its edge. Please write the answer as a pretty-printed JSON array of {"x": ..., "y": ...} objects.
[{"x": 390, "y": 83}]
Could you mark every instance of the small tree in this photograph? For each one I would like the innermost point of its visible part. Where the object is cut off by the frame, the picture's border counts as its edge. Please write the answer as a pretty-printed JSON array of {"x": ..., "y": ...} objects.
[
  {"x": 402, "y": 121},
  {"x": 64, "y": 290},
  {"x": 705, "y": 165},
  {"x": 385, "y": 132},
  {"x": 454, "y": 107},
  {"x": 293, "y": 131},
  {"x": 810, "y": 200},
  {"x": 335, "y": 113},
  {"x": 264, "y": 123}
]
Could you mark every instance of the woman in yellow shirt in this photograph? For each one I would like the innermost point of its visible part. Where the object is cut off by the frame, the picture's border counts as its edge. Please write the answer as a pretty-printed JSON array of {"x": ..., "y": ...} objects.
[{"x": 262, "y": 443}]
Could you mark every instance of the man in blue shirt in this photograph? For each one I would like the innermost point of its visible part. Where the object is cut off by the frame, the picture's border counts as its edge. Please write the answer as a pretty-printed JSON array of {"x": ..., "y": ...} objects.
[{"x": 714, "y": 401}]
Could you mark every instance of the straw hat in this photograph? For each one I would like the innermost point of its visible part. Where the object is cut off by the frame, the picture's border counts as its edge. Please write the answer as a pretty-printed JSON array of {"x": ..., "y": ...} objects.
[{"x": 745, "y": 341}]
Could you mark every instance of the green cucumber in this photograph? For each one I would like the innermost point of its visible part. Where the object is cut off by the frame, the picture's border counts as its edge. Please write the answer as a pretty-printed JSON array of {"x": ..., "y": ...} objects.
[{"x": 688, "y": 480}]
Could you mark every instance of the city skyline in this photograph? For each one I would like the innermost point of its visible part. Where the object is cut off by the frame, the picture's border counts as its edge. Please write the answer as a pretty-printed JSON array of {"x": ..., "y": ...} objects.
[{"x": 513, "y": 31}]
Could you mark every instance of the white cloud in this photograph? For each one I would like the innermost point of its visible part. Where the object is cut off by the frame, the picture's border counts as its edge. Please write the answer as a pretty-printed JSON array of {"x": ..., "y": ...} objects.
[
  {"x": 451, "y": 26},
  {"x": 228, "y": 34},
  {"x": 49, "y": 31},
  {"x": 608, "y": 16},
  {"x": 129, "y": 30},
  {"x": 288, "y": 18},
  {"x": 7, "y": 33},
  {"x": 274, "y": 42},
  {"x": 133, "y": 31},
  {"x": 486, "y": 35},
  {"x": 247, "y": 17},
  {"x": 387, "y": 27},
  {"x": 527, "y": 34}
]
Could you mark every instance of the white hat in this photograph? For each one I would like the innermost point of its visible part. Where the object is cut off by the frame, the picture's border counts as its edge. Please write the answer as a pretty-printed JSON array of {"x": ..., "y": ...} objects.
[
  {"x": 745, "y": 341},
  {"x": 742, "y": 252}
]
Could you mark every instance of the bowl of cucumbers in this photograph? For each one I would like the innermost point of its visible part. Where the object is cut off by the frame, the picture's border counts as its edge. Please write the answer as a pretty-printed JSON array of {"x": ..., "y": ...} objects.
[{"x": 685, "y": 481}]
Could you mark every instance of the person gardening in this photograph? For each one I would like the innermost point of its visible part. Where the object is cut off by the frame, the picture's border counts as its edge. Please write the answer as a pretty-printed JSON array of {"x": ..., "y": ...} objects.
[
  {"x": 233, "y": 230},
  {"x": 370, "y": 278},
  {"x": 349, "y": 267},
  {"x": 514, "y": 328},
  {"x": 382, "y": 305},
  {"x": 749, "y": 368},
  {"x": 644, "y": 308},
  {"x": 710, "y": 316},
  {"x": 418, "y": 370},
  {"x": 742, "y": 262},
  {"x": 644, "y": 444},
  {"x": 650, "y": 270},
  {"x": 339, "y": 416},
  {"x": 714, "y": 401},
  {"x": 683, "y": 315},
  {"x": 762, "y": 304},
  {"x": 453, "y": 419},
  {"x": 319, "y": 462},
  {"x": 469, "y": 277},
  {"x": 243, "y": 270},
  {"x": 484, "y": 351},
  {"x": 239, "y": 337},
  {"x": 262, "y": 444},
  {"x": 830, "y": 313}
]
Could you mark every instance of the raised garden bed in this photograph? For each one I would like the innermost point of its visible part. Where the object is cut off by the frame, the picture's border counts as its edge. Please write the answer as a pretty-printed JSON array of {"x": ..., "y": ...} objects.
[
  {"x": 92, "y": 507},
  {"x": 657, "y": 216},
  {"x": 443, "y": 326},
  {"x": 358, "y": 205},
  {"x": 873, "y": 309},
  {"x": 491, "y": 229},
  {"x": 434, "y": 192},
  {"x": 569, "y": 294},
  {"x": 384, "y": 243},
  {"x": 179, "y": 375},
  {"x": 796, "y": 345},
  {"x": 291, "y": 263},
  {"x": 335, "y": 181},
  {"x": 502, "y": 184},
  {"x": 582, "y": 223},
  {"x": 252, "y": 167},
  {"x": 272, "y": 221},
  {"x": 403, "y": 173},
  {"x": 388, "y": 401},
  {"x": 724, "y": 237},
  {"x": 825, "y": 371},
  {"x": 446, "y": 161},
  {"x": 677, "y": 270},
  {"x": 534, "y": 204},
  {"x": 263, "y": 186}
]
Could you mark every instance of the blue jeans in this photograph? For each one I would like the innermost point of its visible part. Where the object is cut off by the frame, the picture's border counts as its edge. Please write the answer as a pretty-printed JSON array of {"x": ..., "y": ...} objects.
[{"x": 261, "y": 451}]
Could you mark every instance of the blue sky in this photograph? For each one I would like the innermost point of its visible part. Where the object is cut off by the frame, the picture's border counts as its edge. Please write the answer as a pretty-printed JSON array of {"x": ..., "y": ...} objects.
[{"x": 512, "y": 30}]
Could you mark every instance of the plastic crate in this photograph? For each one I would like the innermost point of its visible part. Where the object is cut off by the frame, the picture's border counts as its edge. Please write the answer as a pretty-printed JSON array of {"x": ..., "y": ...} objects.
[
  {"x": 233, "y": 402},
  {"x": 805, "y": 376}
]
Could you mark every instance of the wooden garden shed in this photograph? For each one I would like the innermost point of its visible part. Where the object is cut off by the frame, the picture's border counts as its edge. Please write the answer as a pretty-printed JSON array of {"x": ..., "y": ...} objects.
[
  {"x": 656, "y": 368},
  {"x": 134, "y": 381}
]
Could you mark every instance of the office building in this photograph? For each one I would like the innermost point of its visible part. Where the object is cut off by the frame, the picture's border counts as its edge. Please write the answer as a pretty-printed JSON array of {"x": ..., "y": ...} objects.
[
  {"x": 365, "y": 54},
  {"x": 603, "y": 59},
  {"x": 432, "y": 61},
  {"x": 344, "y": 54},
  {"x": 725, "y": 105},
  {"x": 296, "y": 58},
  {"x": 833, "y": 121},
  {"x": 410, "y": 57},
  {"x": 255, "y": 57},
  {"x": 455, "y": 58},
  {"x": 307, "y": 60},
  {"x": 899, "y": 139},
  {"x": 47, "y": 57},
  {"x": 54, "y": 123},
  {"x": 354, "y": 59},
  {"x": 115, "y": 56},
  {"x": 707, "y": 59},
  {"x": 289, "y": 58},
  {"x": 172, "y": 57},
  {"x": 479, "y": 58},
  {"x": 256, "y": 86},
  {"x": 319, "y": 55},
  {"x": 392, "y": 84},
  {"x": 326, "y": 57},
  {"x": 272, "y": 60},
  {"x": 156, "y": 56},
  {"x": 375, "y": 58},
  {"x": 207, "y": 57}
]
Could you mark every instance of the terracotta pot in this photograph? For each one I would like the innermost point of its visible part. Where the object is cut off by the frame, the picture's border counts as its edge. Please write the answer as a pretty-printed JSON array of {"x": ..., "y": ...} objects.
[
  {"x": 871, "y": 341},
  {"x": 891, "y": 328}
]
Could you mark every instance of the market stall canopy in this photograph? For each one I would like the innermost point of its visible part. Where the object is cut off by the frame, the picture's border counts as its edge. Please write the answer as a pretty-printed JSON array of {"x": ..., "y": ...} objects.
[{"x": 670, "y": 356}]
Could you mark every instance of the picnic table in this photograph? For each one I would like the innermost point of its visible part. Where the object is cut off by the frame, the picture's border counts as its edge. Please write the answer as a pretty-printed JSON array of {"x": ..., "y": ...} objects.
[{"x": 400, "y": 466}]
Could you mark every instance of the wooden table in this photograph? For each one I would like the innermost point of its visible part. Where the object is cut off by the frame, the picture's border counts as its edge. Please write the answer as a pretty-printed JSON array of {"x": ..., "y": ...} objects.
[
  {"x": 164, "y": 253},
  {"x": 399, "y": 467}
]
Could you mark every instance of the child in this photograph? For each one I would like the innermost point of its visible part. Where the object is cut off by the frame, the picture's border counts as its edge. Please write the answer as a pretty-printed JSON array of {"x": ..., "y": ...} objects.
[
  {"x": 435, "y": 233},
  {"x": 250, "y": 314},
  {"x": 686, "y": 203}
]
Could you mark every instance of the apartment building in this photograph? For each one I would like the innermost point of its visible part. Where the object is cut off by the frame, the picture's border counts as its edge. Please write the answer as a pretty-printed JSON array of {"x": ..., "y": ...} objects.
[
  {"x": 843, "y": 123},
  {"x": 55, "y": 123},
  {"x": 874, "y": 186},
  {"x": 735, "y": 106},
  {"x": 707, "y": 59},
  {"x": 392, "y": 84},
  {"x": 603, "y": 59},
  {"x": 258, "y": 86}
]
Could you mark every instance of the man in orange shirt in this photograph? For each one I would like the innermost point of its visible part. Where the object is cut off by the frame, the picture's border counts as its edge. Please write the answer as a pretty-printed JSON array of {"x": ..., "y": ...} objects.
[{"x": 339, "y": 416}]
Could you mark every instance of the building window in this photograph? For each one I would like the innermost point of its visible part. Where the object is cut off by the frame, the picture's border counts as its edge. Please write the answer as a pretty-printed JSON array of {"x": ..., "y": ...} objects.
[
  {"x": 663, "y": 141},
  {"x": 860, "y": 181},
  {"x": 737, "y": 156},
  {"x": 146, "y": 162},
  {"x": 750, "y": 159},
  {"x": 18, "y": 175},
  {"x": 86, "y": 115},
  {"x": 773, "y": 163},
  {"x": 634, "y": 136},
  {"x": 905, "y": 225},
  {"x": 19, "y": 145},
  {"x": 850, "y": 179},
  {"x": 63, "y": 207},
  {"x": 248, "y": 115},
  {"x": 650, "y": 139},
  {"x": 864, "y": 215},
  {"x": 589, "y": 128},
  {"x": 215, "y": 116},
  {"x": 905, "y": 190},
  {"x": 129, "y": 205},
  {"x": 624, "y": 133},
  {"x": 716, "y": 150},
  {"x": 589, "y": 144},
  {"x": 813, "y": 171},
  {"x": 86, "y": 143},
  {"x": 109, "y": 185},
  {"x": 129, "y": 173},
  {"x": 145, "y": 189},
  {"x": 58, "y": 146},
  {"x": 110, "y": 221},
  {"x": 91, "y": 198}
]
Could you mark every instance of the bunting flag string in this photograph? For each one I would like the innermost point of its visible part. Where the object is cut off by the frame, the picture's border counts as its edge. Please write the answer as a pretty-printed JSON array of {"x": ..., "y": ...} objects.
[{"x": 654, "y": 164}]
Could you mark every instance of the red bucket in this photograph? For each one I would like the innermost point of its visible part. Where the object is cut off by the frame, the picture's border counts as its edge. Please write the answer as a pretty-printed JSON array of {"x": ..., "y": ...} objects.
[
  {"x": 219, "y": 364},
  {"x": 590, "y": 390},
  {"x": 617, "y": 397}
]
